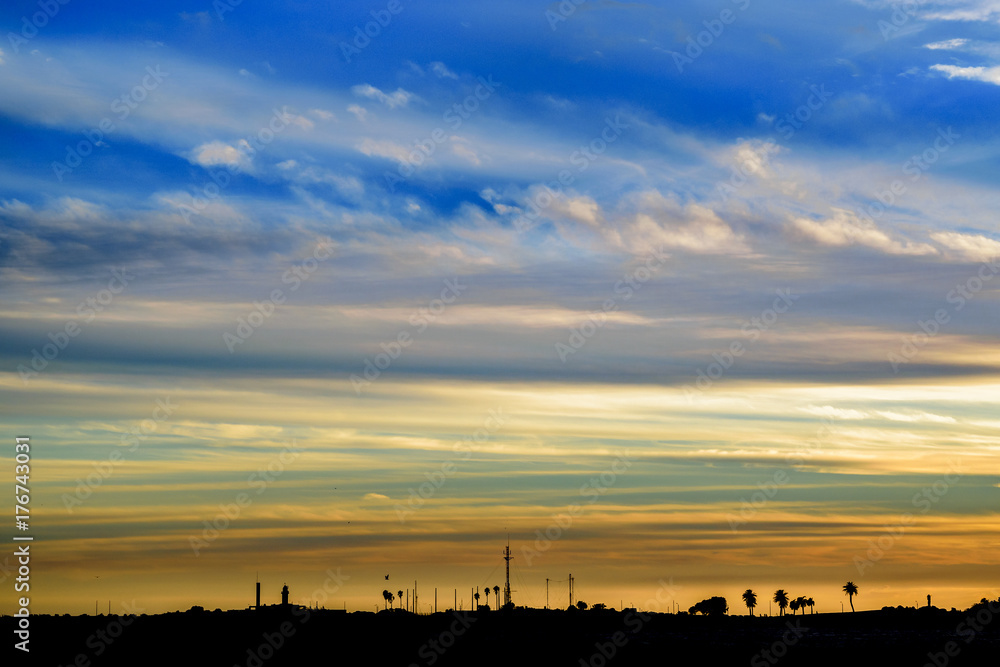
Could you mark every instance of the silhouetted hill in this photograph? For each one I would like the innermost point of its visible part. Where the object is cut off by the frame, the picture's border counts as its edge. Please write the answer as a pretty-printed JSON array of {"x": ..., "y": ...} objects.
[{"x": 301, "y": 637}]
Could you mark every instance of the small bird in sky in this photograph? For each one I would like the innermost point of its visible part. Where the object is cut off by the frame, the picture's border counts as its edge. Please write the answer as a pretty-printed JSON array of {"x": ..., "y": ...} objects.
[{"x": 387, "y": 577}]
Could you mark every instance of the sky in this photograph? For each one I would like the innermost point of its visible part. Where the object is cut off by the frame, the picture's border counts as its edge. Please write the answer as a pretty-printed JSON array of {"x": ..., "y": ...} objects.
[{"x": 684, "y": 298}]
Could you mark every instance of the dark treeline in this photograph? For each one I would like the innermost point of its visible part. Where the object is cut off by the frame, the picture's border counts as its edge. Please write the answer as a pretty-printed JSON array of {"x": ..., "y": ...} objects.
[{"x": 597, "y": 637}]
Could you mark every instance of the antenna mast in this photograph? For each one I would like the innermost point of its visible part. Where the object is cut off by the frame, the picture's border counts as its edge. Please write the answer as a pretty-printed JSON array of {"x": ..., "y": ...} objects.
[{"x": 506, "y": 588}]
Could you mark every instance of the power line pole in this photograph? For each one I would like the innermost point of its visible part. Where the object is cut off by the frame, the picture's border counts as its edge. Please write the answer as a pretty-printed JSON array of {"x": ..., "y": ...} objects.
[{"x": 571, "y": 590}]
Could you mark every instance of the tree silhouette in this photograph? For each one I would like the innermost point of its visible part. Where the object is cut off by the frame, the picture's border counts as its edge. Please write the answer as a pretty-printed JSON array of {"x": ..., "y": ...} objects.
[
  {"x": 809, "y": 602},
  {"x": 496, "y": 595},
  {"x": 714, "y": 606},
  {"x": 750, "y": 600},
  {"x": 476, "y": 598},
  {"x": 850, "y": 589},
  {"x": 385, "y": 596},
  {"x": 794, "y": 605},
  {"x": 400, "y": 594},
  {"x": 781, "y": 597},
  {"x": 487, "y": 596},
  {"x": 581, "y": 605}
]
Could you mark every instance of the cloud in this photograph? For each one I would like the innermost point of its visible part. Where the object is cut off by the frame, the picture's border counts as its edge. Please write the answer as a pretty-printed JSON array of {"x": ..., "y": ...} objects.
[
  {"x": 442, "y": 71},
  {"x": 973, "y": 10},
  {"x": 976, "y": 248},
  {"x": 460, "y": 148},
  {"x": 915, "y": 417},
  {"x": 359, "y": 112},
  {"x": 385, "y": 148},
  {"x": 323, "y": 114},
  {"x": 845, "y": 229},
  {"x": 984, "y": 74},
  {"x": 912, "y": 416},
  {"x": 831, "y": 412},
  {"x": 400, "y": 98},
  {"x": 948, "y": 44},
  {"x": 375, "y": 496},
  {"x": 215, "y": 153}
]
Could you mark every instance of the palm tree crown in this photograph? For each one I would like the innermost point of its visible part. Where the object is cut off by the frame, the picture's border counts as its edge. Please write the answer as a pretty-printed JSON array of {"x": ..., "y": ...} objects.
[
  {"x": 851, "y": 589},
  {"x": 750, "y": 600},
  {"x": 781, "y": 597}
]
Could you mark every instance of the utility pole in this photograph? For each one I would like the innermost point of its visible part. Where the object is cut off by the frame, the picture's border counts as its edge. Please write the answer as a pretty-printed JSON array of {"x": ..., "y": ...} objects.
[
  {"x": 435, "y": 600},
  {"x": 571, "y": 590},
  {"x": 546, "y": 592}
]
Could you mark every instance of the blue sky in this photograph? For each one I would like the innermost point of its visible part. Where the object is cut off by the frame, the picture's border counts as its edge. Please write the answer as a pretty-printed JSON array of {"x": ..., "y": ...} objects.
[{"x": 617, "y": 193}]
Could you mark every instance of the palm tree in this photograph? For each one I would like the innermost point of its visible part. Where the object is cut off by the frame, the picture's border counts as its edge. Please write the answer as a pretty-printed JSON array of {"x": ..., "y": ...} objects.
[
  {"x": 850, "y": 589},
  {"x": 385, "y": 596},
  {"x": 496, "y": 595},
  {"x": 810, "y": 603},
  {"x": 400, "y": 594},
  {"x": 487, "y": 596},
  {"x": 750, "y": 600},
  {"x": 781, "y": 597},
  {"x": 476, "y": 598},
  {"x": 795, "y": 604},
  {"x": 392, "y": 598}
]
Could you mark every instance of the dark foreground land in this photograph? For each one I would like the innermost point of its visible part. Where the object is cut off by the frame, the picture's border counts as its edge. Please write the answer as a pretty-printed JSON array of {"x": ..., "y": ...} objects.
[{"x": 276, "y": 637}]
